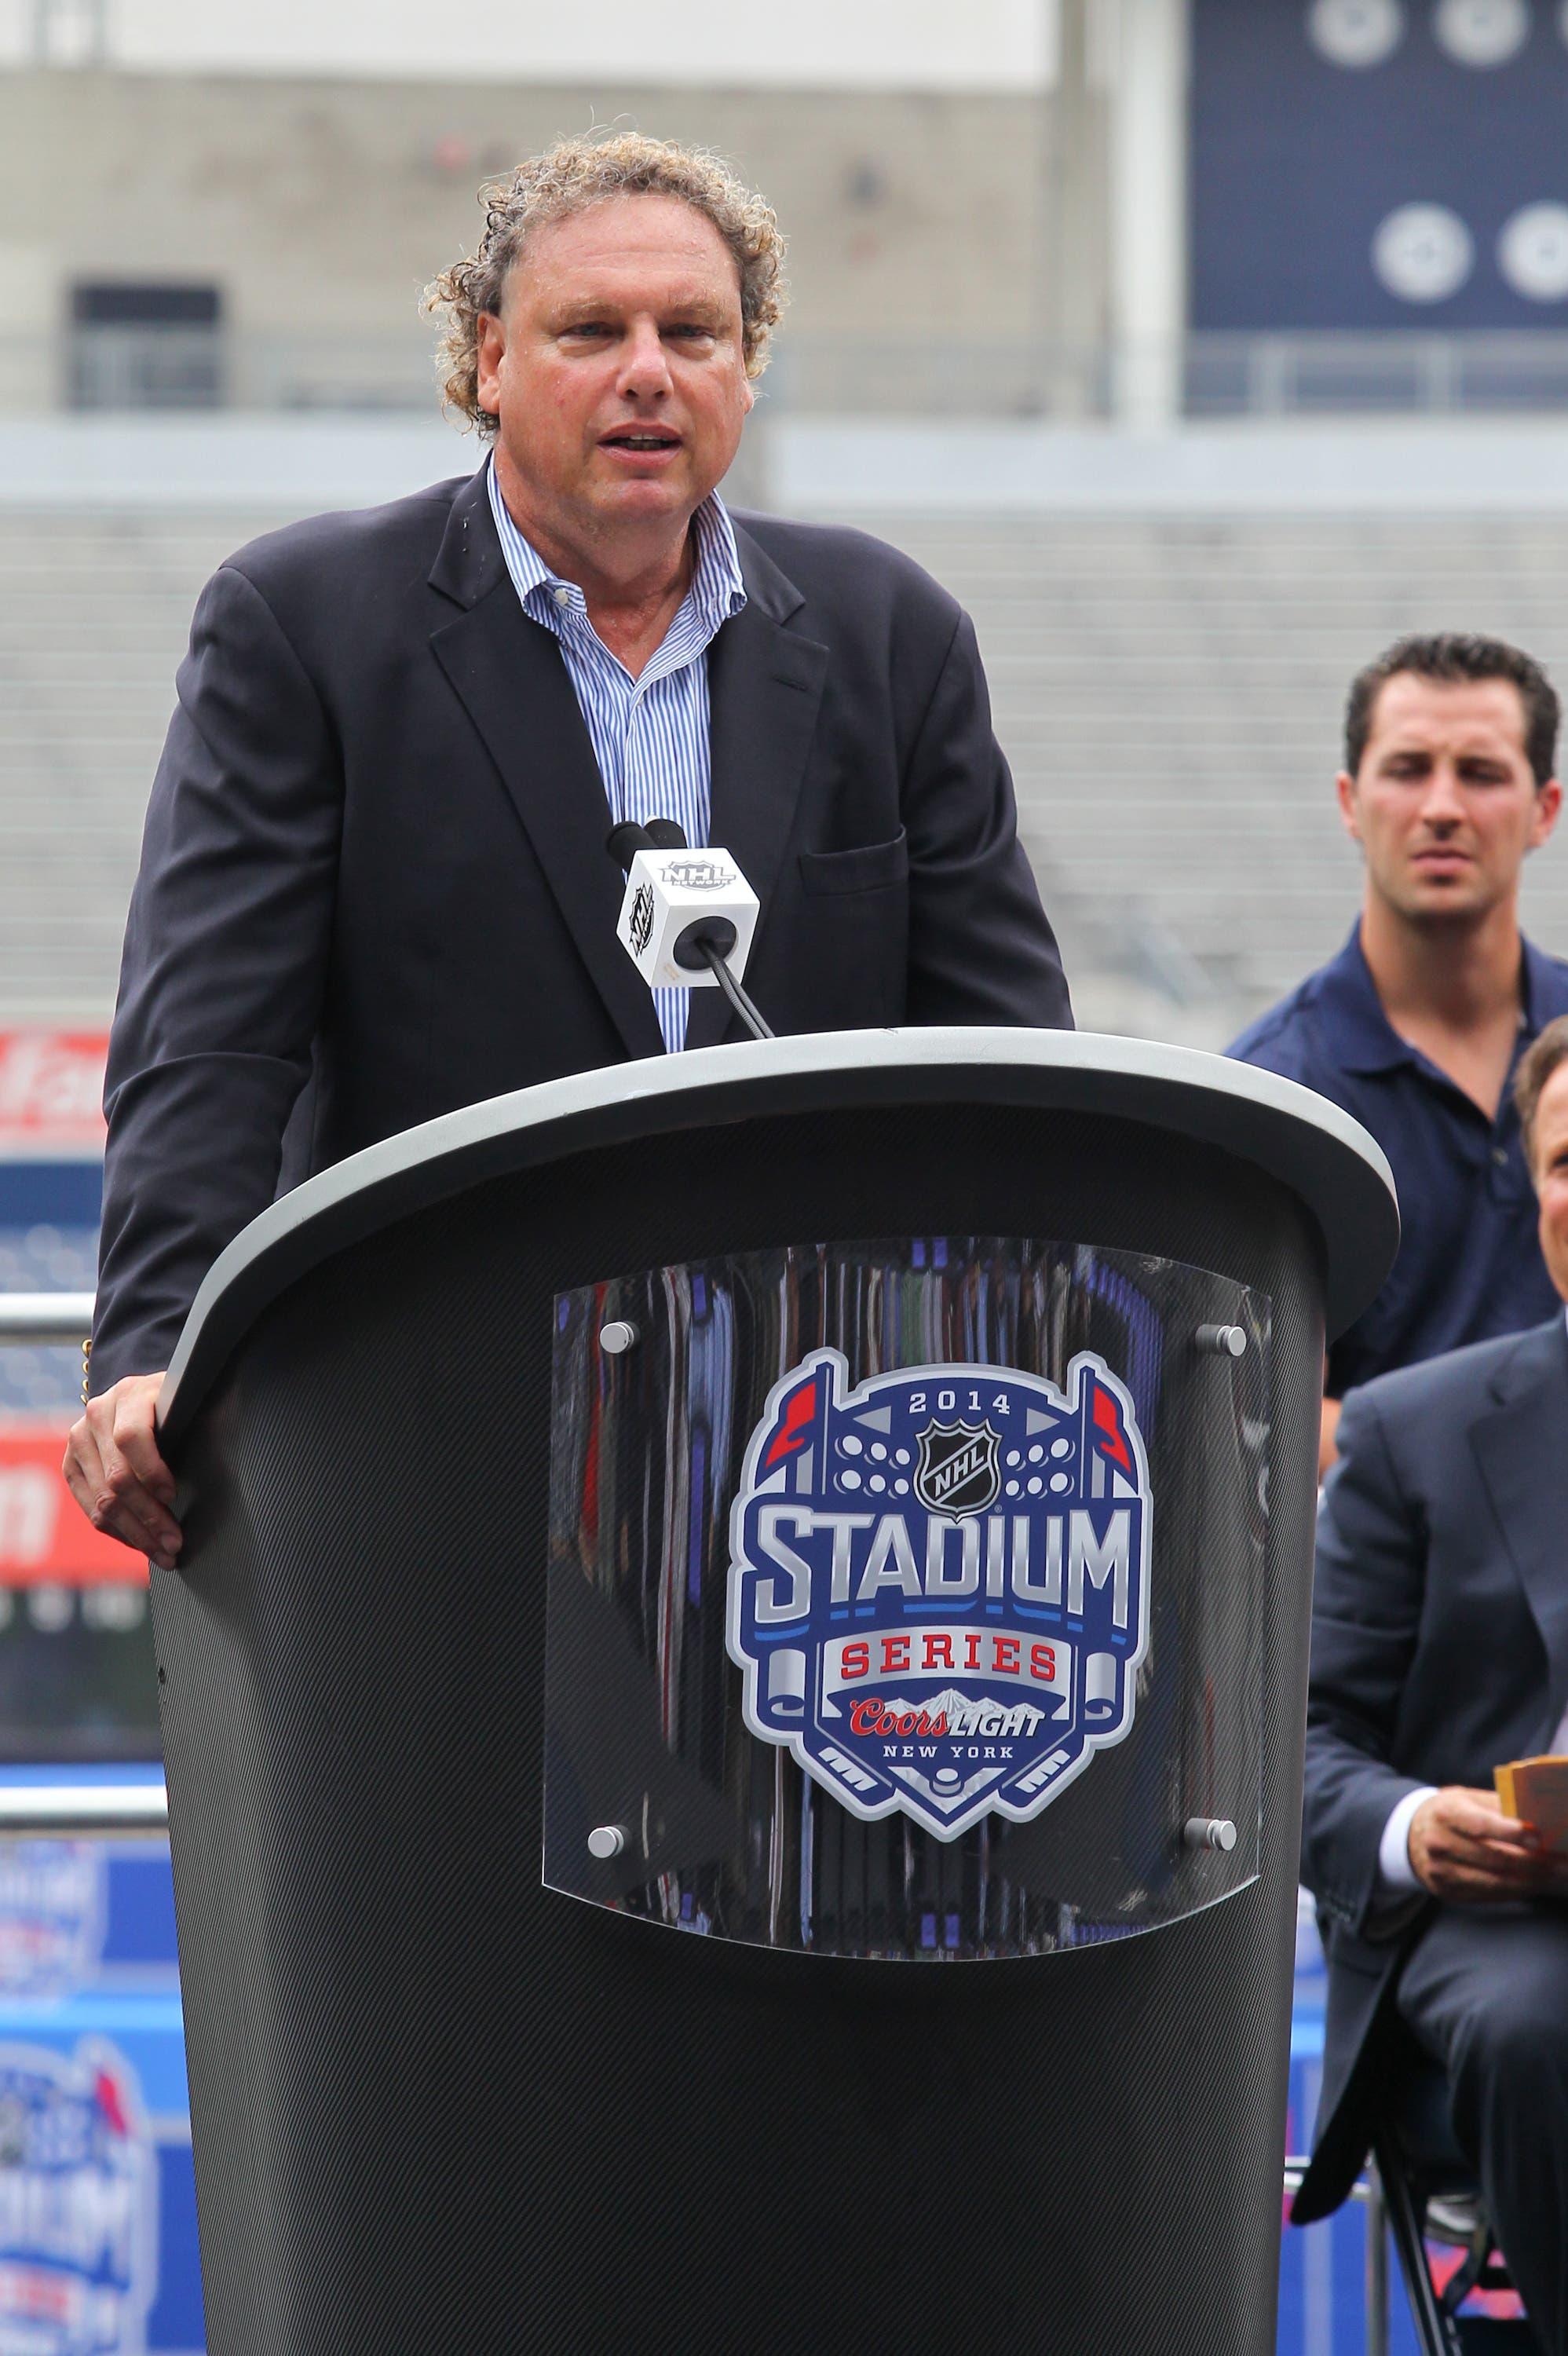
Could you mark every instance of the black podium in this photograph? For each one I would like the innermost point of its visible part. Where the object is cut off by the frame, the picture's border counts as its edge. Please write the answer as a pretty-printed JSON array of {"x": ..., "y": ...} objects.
[{"x": 733, "y": 1705}]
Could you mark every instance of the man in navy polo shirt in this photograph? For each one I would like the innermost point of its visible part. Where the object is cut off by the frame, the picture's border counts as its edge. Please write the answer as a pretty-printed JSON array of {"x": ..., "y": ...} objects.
[{"x": 1417, "y": 1026}]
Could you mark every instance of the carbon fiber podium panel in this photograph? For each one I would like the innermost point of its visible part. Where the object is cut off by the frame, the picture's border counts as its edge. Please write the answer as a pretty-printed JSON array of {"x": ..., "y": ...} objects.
[{"x": 438, "y": 2105}]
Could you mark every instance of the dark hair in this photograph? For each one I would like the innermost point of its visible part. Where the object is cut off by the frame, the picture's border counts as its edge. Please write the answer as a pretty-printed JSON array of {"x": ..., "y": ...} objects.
[
  {"x": 1538, "y": 1062},
  {"x": 1451, "y": 655}
]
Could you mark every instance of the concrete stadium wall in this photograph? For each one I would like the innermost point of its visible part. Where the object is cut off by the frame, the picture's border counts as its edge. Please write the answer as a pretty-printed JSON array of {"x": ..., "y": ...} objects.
[
  {"x": 322, "y": 209},
  {"x": 813, "y": 44}
]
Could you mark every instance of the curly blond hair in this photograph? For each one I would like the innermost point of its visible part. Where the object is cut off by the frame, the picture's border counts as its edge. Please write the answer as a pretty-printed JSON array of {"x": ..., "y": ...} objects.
[{"x": 566, "y": 179}]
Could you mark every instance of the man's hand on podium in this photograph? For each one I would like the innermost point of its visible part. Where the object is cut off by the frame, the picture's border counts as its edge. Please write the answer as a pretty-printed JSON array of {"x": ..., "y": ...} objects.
[{"x": 114, "y": 1471}]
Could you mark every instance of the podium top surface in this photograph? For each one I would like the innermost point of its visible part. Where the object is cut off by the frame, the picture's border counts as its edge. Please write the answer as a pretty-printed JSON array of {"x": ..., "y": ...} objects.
[{"x": 1327, "y": 1159}]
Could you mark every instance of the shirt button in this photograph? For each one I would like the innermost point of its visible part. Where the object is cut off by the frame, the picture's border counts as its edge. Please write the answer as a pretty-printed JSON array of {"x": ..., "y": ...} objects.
[
  {"x": 1500, "y": 1155},
  {"x": 563, "y": 597}
]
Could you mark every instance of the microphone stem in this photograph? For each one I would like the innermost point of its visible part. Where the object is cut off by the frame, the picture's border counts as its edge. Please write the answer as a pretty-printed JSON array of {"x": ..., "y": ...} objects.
[{"x": 719, "y": 968}]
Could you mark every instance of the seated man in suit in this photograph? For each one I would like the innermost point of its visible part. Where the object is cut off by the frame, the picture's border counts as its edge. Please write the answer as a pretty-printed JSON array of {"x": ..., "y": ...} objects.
[
  {"x": 1439, "y": 1650},
  {"x": 374, "y": 884}
]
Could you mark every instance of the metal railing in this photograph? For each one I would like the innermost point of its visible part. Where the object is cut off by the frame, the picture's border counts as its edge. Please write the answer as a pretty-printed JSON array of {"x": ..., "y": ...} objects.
[
  {"x": 84, "y": 1811},
  {"x": 1401, "y": 372},
  {"x": 42, "y": 1317}
]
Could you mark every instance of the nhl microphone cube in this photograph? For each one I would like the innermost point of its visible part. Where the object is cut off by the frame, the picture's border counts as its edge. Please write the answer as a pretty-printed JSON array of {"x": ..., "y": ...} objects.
[{"x": 667, "y": 891}]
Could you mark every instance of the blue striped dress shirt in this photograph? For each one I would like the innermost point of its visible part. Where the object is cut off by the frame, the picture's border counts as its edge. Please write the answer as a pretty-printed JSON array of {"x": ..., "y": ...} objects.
[{"x": 649, "y": 734}]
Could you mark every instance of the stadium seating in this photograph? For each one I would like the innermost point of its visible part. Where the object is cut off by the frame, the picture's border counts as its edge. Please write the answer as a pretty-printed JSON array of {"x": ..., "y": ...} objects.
[
  {"x": 94, "y": 613},
  {"x": 1169, "y": 692}
]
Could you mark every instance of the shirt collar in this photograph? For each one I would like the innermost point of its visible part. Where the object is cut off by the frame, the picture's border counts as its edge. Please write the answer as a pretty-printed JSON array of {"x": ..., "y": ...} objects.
[
  {"x": 716, "y": 582},
  {"x": 1362, "y": 1039},
  {"x": 1543, "y": 988},
  {"x": 717, "y": 593}
]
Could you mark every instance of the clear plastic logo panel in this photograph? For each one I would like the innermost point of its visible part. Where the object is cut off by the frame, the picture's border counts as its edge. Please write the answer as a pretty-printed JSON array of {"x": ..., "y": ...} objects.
[{"x": 906, "y": 1598}]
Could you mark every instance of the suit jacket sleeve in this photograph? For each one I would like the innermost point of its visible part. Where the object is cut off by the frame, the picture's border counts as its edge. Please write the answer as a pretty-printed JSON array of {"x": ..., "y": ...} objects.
[
  {"x": 225, "y": 958},
  {"x": 980, "y": 949},
  {"x": 1367, "y": 1591}
]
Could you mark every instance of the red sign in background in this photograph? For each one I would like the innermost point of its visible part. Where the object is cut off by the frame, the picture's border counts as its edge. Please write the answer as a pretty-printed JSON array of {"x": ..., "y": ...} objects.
[
  {"x": 51, "y": 1092},
  {"x": 51, "y": 1096},
  {"x": 45, "y": 1538}
]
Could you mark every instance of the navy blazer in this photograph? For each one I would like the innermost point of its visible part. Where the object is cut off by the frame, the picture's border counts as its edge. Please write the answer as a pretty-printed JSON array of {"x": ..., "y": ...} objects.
[
  {"x": 1439, "y": 1649},
  {"x": 374, "y": 884}
]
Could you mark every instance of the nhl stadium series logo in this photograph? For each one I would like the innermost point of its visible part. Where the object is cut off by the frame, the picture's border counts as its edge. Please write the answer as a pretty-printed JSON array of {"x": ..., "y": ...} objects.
[
  {"x": 78, "y": 2204},
  {"x": 939, "y": 1582}
]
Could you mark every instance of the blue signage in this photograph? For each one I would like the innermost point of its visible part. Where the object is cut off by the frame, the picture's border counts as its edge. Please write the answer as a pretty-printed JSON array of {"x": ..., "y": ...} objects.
[
  {"x": 1373, "y": 164},
  {"x": 77, "y": 2202}
]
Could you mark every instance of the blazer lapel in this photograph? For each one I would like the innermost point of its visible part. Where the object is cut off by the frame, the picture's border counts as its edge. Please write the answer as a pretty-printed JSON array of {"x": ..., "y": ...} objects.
[
  {"x": 510, "y": 676},
  {"x": 1522, "y": 1444},
  {"x": 764, "y": 691}
]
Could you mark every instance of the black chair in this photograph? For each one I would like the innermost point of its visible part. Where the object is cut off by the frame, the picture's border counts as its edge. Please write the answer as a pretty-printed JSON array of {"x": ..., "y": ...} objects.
[{"x": 1430, "y": 2194}]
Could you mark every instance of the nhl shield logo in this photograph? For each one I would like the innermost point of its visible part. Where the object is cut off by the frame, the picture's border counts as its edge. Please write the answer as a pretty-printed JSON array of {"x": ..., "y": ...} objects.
[
  {"x": 958, "y": 1471},
  {"x": 939, "y": 1583}
]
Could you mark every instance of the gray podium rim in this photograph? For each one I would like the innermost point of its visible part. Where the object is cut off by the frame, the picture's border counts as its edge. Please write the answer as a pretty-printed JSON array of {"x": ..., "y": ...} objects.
[{"x": 1308, "y": 1144}]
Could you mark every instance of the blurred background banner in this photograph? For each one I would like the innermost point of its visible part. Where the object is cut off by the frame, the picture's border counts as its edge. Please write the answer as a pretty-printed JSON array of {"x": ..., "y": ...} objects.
[
  {"x": 51, "y": 1092},
  {"x": 1200, "y": 347}
]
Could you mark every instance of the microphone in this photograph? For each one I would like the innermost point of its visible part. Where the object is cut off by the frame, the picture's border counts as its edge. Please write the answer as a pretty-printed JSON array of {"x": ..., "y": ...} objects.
[{"x": 688, "y": 918}]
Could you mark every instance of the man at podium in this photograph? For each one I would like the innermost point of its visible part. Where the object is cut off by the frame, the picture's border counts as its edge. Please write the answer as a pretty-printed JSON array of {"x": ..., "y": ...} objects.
[{"x": 374, "y": 883}]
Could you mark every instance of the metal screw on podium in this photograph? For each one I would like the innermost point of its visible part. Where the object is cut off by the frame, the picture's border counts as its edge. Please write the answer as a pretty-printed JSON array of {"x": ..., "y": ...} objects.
[
  {"x": 616, "y": 1336},
  {"x": 608, "y": 1840},
  {"x": 1208, "y": 1832},
  {"x": 1221, "y": 1341}
]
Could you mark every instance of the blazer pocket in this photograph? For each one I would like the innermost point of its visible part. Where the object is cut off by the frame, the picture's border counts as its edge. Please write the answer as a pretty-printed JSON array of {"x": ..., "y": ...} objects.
[{"x": 870, "y": 867}]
